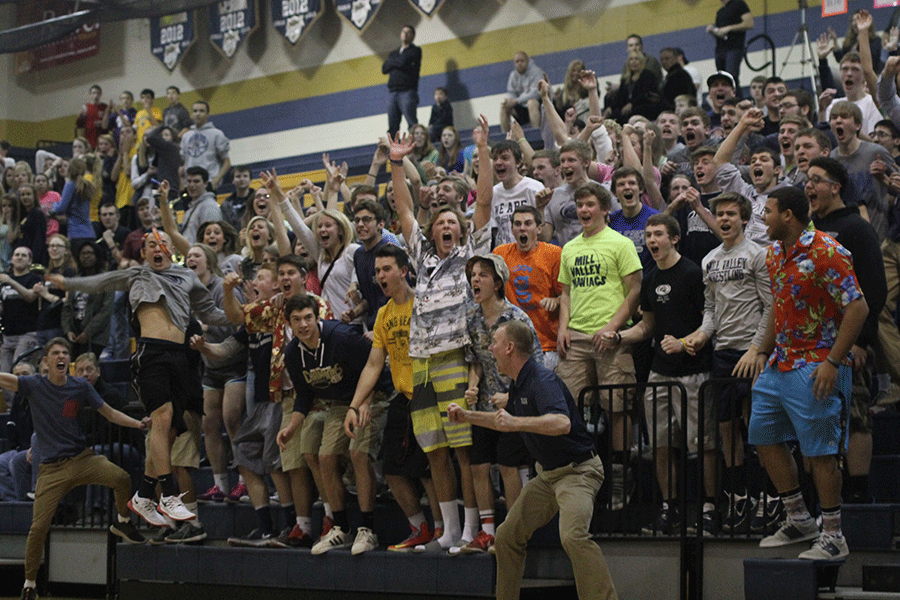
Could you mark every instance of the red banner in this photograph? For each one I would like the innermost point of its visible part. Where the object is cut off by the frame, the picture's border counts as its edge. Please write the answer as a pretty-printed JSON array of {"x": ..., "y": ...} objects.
[{"x": 83, "y": 42}]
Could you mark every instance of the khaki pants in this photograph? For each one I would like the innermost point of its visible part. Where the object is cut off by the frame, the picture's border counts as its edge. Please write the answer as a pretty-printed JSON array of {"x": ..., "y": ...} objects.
[
  {"x": 569, "y": 490},
  {"x": 55, "y": 480},
  {"x": 888, "y": 334}
]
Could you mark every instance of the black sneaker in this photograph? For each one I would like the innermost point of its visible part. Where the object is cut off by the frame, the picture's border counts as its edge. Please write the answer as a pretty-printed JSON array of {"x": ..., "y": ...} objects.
[
  {"x": 188, "y": 532},
  {"x": 254, "y": 539},
  {"x": 709, "y": 524},
  {"x": 127, "y": 532},
  {"x": 160, "y": 537},
  {"x": 738, "y": 514},
  {"x": 769, "y": 515},
  {"x": 666, "y": 522},
  {"x": 29, "y": 593}
]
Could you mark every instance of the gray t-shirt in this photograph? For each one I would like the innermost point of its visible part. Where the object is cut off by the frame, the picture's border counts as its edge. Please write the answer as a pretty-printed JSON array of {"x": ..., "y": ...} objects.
[
  {"x": 54, "y": 411},
  {"x": 863, "y": 189},
  {"x": 561, "y": 213},
  {"x": 738, "y": 295}
]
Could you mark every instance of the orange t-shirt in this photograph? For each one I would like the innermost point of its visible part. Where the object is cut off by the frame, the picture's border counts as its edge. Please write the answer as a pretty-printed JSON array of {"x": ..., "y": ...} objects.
[{"x": 533, "y": 277}]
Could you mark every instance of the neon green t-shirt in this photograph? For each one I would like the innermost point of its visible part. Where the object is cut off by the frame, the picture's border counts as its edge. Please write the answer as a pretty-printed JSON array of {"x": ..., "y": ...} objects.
[{"x": 594, "y": 269}]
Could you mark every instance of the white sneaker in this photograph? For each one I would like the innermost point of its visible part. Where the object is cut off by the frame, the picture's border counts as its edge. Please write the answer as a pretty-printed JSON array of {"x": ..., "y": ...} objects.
[
  {"x": 146, "y": 508},
  {"x": 335, "y": 538},
  {"x": 365, "y": 540},
  {"x": 827, "y": 547},
  {"x": 791, "y": 533},
  {"x": 174, "y": 508}
]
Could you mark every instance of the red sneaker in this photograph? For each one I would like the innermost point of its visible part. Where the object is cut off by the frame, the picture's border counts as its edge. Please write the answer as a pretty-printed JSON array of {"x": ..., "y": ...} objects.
[
  {"x": 213, "y": 494},
  {"x": 295, "y": 539},
  {"x": 419, "y": 536},
  {"x": 238, "y": 494},
  {"x": 482, "y": 543}
]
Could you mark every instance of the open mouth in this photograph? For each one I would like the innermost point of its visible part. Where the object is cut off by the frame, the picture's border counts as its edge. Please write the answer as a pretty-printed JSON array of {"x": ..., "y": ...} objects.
[
  {"x": 690, "y": 137},
  {"x": 839, "y": 131},
  {"x": 158, "y": 260},
  {"x": 786, "y": 146},
  {"x": 654, "y": 250},
  {"x": 725, "y": 227},
  {"x": 628, "y": 195},
  {"x": 61, "y": 366},
  {"x": 255, "y": 237},
  {"x": 568, "y": 174},
  {"x": 849, "y": 83},
  {"x": 720, "y": 96},
  {"x": 384, "y": 286},
  {"x": 699, "y": 176},
  {"x": 286, "y": 287},
  {"x": 447, "y": 237},
  {"x": 758, "y": 173},
  {"x": 500, "y": 172},
  {"x": 523, "y": 239}
]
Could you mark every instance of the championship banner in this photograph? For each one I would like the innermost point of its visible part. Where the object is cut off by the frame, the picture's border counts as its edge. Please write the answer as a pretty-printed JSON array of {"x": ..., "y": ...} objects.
[
  {"x": 427, "y": 7},
  {"x": 833, "y": 7},
  {"x": 292, "y": 18},
  {"x": 171, "y": 36},
  {"x": 885, "y": 3},
  {"x": 359, "y": 12},
  {"x": 81, "y": 43},
  {"x": 230, "y": 21}
]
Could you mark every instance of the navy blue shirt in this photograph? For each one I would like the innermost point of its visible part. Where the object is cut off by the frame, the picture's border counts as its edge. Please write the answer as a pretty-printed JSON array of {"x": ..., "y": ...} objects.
[
  {"x": 364, "y": 263},
  {"x": 331, "y": 370},
  {"x": 538, "y": 391},
  {"x": 54, "y": 410}
]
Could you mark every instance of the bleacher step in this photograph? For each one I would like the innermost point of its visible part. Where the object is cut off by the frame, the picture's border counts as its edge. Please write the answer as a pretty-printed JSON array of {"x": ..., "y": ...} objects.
[
  {"x": 788, "y": 579},
  {"x": 857, "y": 594}
]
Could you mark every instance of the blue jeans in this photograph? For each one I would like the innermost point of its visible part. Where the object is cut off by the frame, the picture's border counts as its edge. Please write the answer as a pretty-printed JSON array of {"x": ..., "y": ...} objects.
[
  {"x": 730, "y": 60},
  {"x": 402, "y": 104}
]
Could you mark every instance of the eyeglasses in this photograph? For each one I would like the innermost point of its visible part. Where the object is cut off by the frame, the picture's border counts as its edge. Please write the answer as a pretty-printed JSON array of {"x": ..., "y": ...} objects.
[
  {"x": 816, "y": 180},
  {"x": 366, "y": 220}
]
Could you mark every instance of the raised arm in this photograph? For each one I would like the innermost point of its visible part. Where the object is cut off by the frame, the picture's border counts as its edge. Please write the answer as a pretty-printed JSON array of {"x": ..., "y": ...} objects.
[
  {"x": 277, "y": 219},
  {"x": 751, "y": 121},
  {"x": 378, "y": 161},
  {"x": 485, "y": 187},
  {"x": 560, "y": 133},
  {"x": 230, "y": 303},
  {"x": 863, "y": 21},
  {"x": 168, "y": 220},
  {"x": 400, "y": 147},
  {"x": 648, "y": 171}
]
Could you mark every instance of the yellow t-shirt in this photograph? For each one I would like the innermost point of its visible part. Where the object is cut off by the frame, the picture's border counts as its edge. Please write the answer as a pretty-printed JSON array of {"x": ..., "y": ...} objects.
[
  {"x": 392, "y": 334},
  {"x": 142, "y": 122},
  {"x": 124, "y": 191},
  {"x": 593, "y": 268}
]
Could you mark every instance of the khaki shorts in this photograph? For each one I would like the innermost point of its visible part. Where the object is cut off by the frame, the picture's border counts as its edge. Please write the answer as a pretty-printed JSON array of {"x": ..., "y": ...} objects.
[
  {"x": 335, "y": 441},
  {"x": 186, "y": 449},
  {"x": 584, "y": 367},
  {"x": 664, "y": 419},
  {"x": 291, "y": 455}
]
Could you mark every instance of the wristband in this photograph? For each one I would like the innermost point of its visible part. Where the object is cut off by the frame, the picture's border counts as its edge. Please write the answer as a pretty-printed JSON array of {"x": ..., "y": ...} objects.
[
  {"x": 354, "y": 409},
  {"x": 834, "y": 363},
  {"x": 399, "y": 163},
  {"x": 618, "y": 338},
  {"x": 520, "y": 140}
]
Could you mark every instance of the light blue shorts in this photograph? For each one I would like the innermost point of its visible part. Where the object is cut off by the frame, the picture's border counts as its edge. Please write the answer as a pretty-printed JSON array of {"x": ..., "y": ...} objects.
[{"x": 784, "y": 408}]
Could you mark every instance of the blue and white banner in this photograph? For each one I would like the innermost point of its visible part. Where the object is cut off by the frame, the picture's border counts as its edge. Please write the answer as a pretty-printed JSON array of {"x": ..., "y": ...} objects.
[
  {"x": 230, "y": 21},
  {"x": 292, "y": 18},
  {"x": 171, "y": 36},
  {"x": 359, "y": 12},
  {"x": 427, "y": 7}
]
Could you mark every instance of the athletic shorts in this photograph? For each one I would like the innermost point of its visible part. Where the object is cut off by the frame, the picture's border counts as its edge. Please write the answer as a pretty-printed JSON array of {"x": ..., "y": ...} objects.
[
  {"x": 730, "y": 397},
  {"x": 256, "y": 441},
  {"x": 160, "y": 374},
  {"x": 785, "y": 409},
  {"x": 401, "y": 452},
  {"x": 438, "y": 381},
  {"x": 217, "y": 379},
  {"x": 504, "y": 448}
]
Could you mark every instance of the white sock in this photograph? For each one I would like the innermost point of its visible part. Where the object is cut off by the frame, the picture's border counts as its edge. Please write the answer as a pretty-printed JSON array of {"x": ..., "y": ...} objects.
[
  {"x": 438, "y": 524},
  {"x": 473, "y": 524},
  {"x": 192, "y": 506},
  {"x": 221, "y": 481},
  {"x": 524, "y": 474},
  {"x": 241, "y": 479},
  {"x": 452, "y": 531},
  {"x": 487, "y": 521},
  {"x": 328, "y": 512},
  {"x": 416, "y": 520},
  {"x": 305, "y": 524},
  {"x": 123, "y": 519},
  {"x": 30, "y": 583}
]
